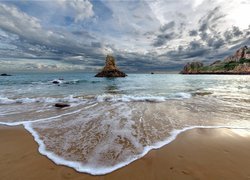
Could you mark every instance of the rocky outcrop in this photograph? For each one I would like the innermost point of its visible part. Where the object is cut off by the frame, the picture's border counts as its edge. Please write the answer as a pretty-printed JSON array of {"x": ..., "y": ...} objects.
[
  {"x": 244, "y": 68},
  {"x": 4, "y": 74},
  {"x": 110, "y": 69},
  {"x": 192, "y": 68},
  {"x": 56, "y": 82},
  {"x": 238, "y": 63},
  {"x": 242, "y": 53}
]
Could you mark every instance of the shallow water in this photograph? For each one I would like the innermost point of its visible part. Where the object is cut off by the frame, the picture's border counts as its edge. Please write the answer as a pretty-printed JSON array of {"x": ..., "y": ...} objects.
[{"x": 112, "y": 122}]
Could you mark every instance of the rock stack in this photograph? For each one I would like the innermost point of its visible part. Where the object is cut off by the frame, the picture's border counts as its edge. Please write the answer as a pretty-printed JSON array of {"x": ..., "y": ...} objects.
[{"x": 110, "y": 69}]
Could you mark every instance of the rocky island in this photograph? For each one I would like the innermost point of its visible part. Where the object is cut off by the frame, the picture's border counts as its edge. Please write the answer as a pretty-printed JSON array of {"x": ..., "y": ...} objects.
[
  {"x": 238, "y": 63},
  {"x": 110, "y": 69},
  {"x": 4, "y": 74}
]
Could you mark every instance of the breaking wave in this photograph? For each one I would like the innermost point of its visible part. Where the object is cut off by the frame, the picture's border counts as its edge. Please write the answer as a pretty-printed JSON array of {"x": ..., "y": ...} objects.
[
  {"x": 128, "y": 98},
  {"x": 98, "y": 98},
  {"x": 68, "y": 99}
]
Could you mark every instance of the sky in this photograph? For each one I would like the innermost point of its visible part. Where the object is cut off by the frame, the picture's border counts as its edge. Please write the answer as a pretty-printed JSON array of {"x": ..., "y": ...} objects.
[{"x": 143, "y": 36}]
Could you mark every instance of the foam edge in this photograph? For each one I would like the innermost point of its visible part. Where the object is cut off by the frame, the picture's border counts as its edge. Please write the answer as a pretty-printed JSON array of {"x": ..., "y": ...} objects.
[{"x": 102, "y": 171}]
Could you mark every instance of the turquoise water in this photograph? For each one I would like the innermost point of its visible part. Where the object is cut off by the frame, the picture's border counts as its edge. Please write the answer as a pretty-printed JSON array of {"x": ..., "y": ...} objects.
[
  {"x": 112, "y": 122},
  {"x": 158, "y": 85}
]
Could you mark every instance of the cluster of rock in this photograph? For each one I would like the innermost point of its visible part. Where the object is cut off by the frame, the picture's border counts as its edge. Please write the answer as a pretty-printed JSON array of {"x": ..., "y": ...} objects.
[
  {"x": 238, "y": 63},
  {"x": 110, "y": 69}
]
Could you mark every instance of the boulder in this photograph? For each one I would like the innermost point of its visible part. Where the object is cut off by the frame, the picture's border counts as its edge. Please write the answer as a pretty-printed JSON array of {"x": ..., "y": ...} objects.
[
  {"x": 4, "y": 74},
  {"x": 110, "y": 69},
  {"x": 56, "y": 81},
  {"x": 61, "y": 105}
]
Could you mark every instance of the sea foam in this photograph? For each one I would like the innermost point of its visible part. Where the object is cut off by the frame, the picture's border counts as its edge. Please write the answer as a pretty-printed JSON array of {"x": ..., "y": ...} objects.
[
  {"x": 98, "y": 98},
  {"x": 123, "y": 111},
  {"x": 92, "y": 169},
  {"x": 147, "y": 98},
  {"x": 69, "y": 99}
]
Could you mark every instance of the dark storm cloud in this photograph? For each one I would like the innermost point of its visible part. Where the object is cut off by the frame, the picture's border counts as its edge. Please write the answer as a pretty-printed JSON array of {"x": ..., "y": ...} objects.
[
  {"x": 167, "y": 26},
  {"x": 203, "y": 27},
  {"x": 215, "y": 42},
  {"x": 163, "y": 38},
  {"x": 193, "y": 50},
  {"x": 211, "y": 17},
  {"x": 208, "y": 33},
  {"x": 193, "y": 33},
  {"x": 145, "y": 63},
  {"x": 96, "y": 44},
  {"x": 209, "y": 23},
  {"x": 234, "y": 32}
]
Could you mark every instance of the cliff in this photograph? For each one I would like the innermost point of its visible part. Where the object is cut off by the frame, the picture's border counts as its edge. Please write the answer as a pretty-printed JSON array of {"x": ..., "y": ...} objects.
[
  {"x": 110, "y": 69},
  {"x": 238, "y": 63}
]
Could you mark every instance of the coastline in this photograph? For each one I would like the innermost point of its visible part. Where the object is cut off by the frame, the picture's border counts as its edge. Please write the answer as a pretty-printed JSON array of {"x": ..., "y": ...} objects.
[
  {"x": 216, "y": 73},
  {"x": 218, "y": 153}
]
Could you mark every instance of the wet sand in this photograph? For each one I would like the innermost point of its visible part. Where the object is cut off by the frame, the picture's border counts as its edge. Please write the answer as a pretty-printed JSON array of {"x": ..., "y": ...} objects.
[{"x": 195, "y": 154}]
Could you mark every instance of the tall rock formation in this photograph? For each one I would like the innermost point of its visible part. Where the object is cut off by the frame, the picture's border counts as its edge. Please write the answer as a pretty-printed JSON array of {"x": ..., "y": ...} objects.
[{"x": 110, "y": 69}]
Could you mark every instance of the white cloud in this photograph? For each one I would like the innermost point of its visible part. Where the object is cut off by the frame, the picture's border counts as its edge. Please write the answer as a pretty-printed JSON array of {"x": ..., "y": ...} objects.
[
  {"x": 30, "y": 32},
  {"x": 84, "y": 31},
  {"x": 15, "y": 65},
  {"x": 17, "y": 22},
  {"x": 82, "y": 9}
]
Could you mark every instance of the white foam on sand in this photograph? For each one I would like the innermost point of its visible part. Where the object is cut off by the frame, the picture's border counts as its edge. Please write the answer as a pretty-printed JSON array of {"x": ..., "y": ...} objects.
[
  {"x": 89, "y": 167},
  {"x": 115, "y": 128},
  {"x": 78, "y": 166}
]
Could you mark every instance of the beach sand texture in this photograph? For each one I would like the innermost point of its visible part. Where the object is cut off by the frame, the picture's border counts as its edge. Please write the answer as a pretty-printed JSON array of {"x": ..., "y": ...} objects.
[{"x": 194, "y": 154}]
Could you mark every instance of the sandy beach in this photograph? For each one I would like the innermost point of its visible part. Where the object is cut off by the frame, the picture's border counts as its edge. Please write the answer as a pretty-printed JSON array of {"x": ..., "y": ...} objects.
[
  {"x": 195, "y": 154},
  {"x": 124, "y": 90}
]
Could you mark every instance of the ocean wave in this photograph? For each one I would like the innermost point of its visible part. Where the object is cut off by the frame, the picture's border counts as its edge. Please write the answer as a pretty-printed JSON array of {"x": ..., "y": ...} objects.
[
  {"x": 149, "y": 98},
  {"x": 74, "y": 81},
  {"x": 127, "y": 98},
  {"x": 181, "y": 95},
  {"x": 68, "y": 99},
  {"x": 98, "y": 98}
]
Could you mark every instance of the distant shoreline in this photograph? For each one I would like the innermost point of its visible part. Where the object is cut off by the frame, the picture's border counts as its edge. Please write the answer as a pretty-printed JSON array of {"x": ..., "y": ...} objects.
[{"x": 236, "y": 64}]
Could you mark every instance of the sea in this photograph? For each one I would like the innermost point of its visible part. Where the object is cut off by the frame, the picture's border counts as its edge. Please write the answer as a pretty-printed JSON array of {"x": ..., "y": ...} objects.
[{"x": 112, "y": 122}]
